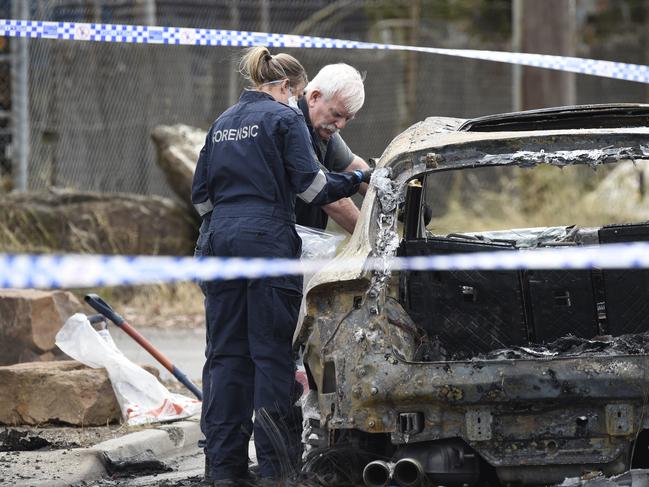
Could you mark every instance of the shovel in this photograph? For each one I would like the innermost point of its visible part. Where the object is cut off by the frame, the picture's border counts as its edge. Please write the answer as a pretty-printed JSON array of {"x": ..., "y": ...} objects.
[{"x": 104, "y": 308}]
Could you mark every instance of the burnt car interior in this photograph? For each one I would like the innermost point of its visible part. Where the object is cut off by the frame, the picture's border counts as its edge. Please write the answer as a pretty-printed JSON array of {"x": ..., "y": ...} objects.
[{"x": 475, "y": 312}]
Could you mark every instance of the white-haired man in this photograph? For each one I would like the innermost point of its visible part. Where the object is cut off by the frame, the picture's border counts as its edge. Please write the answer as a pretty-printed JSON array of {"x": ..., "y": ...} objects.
[{"x": 332, "y": 99}]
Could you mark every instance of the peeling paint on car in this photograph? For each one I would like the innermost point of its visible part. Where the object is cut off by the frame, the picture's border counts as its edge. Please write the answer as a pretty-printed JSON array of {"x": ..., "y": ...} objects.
[
  {"x": 593, "y": 158},
  {"x": 387, "y": 239}
]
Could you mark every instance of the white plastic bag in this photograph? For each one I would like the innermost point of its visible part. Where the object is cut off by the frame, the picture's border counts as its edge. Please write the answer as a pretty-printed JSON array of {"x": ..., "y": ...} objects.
[
  {"x": 317, "y": 244},
  {"x": 141, "y": 397}
]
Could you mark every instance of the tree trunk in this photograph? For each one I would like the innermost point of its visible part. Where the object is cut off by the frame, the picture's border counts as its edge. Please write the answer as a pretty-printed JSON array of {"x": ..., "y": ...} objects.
[{"x": 548, "y": 28}]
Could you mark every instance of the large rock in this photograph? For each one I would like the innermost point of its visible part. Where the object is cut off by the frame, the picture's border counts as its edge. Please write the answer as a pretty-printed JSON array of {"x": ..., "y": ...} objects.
[
  {"x": 56, "y": 392},
  {"x": 178, "y": 147},
  {"x": 65, "y": 392},
  {"x": 29, "y": 321},
  {"x": 73, "y": 221}
]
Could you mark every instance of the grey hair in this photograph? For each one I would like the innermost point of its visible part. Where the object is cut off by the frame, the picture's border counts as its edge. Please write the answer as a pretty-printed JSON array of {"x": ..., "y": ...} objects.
[{"x": 340, "y": 80}]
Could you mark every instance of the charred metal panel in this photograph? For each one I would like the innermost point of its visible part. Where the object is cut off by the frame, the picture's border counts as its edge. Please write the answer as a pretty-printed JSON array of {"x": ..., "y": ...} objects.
[
  {"x": 562, "y": 303},
  {"x": 557, "y": 451},
  {"x": 471, "y": 312},
  {"x": 627, "y": 300},
  {"x": 626, "y": 291},
  {"x": 620, "y": 419},
  {"x": 375, "y": 375},
  {"x": 478, "y": 424}
]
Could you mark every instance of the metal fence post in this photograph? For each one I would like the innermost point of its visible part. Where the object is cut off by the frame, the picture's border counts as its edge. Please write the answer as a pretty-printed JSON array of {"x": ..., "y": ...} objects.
[
  {"x": 20, "y": 98},
  {"x": 233, "y": 80},
  {"x": 517, "y": 43},
  {"x": 149, "y": 12}
]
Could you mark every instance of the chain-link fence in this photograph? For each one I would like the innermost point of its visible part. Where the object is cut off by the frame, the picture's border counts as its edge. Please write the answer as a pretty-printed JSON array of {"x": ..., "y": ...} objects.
[{"x": 92, "y": 106}]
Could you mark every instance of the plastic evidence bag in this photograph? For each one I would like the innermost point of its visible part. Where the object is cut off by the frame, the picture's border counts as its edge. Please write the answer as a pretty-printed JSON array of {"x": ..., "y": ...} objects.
[{"x": 140, "y": 395}]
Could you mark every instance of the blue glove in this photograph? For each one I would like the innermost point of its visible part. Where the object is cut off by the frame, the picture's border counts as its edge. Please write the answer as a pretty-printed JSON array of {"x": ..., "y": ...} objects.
[{"x": 364, "y": 176}]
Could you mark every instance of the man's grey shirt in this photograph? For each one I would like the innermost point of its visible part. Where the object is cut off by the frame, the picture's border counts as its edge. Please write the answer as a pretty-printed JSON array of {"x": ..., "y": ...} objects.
[{"x": 337, "y": 154}]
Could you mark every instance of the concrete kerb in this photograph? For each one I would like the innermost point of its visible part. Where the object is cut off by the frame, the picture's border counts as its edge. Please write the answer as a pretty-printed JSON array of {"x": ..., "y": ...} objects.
[
  {"x": 66, "y": 467},
  {"x": 147, "y": 445}
]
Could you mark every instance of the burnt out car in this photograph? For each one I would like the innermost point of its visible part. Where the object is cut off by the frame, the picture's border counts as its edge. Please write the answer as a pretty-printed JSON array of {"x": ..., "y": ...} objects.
[{"x": 522, "y": 377}]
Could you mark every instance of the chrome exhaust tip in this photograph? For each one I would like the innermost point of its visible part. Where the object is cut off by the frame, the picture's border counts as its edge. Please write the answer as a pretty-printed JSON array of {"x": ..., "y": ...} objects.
[
  {"x": 377, "y": 473},
  {"x": 408, "y": 472}
]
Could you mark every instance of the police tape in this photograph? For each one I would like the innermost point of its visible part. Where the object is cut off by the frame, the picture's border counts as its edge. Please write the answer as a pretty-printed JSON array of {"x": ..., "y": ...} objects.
[
  {"x": 143, "y": 34},
  {"x": 78, "y": 271}
]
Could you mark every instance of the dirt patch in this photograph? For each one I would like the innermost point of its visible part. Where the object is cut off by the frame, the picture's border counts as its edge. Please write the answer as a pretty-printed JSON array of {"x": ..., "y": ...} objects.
[
  {"x": 15, "y": 440},
  {"x": 58, "y": 437}
]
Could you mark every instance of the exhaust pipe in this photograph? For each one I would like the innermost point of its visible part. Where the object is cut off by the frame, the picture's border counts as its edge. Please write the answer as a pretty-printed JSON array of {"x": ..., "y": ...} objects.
[
  {"x": 377, "y": 473},
  {"x": 408, "y": 472}
]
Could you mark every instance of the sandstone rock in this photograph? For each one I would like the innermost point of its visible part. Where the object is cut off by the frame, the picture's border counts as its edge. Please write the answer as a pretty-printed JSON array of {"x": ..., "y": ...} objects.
[
  {"x": 75, "y": 221},
  {"x": 65, "y": 392},
  {"x": 56, "y": 392},
  {"x": 29, "y": 321},
  {"x": 178, "y": 147}
]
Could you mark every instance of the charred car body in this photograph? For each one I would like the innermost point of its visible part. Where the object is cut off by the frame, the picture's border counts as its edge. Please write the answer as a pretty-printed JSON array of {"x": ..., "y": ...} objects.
[{"x": 405, "y": 366}]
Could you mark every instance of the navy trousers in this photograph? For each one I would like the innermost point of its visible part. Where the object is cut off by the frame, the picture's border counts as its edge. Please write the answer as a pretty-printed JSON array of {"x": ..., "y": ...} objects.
[{"x": 249, "y": 360}]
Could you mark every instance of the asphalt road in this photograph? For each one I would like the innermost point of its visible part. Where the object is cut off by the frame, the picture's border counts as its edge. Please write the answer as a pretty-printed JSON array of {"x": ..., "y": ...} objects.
[{"x": 185, "y": 347}]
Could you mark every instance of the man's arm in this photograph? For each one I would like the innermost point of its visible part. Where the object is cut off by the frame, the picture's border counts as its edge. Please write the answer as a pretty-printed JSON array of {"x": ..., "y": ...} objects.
[
  {"x": 358, "y": 163},
  {"x": 343, "y": 212}
]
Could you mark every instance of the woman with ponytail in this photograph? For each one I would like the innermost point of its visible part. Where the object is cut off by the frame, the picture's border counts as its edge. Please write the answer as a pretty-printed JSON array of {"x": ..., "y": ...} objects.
[{"x": 256, "y": 160}]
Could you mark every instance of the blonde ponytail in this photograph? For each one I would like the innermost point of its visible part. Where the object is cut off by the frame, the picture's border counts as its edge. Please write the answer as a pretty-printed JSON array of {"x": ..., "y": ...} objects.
[{"x": 259, "y": 66}]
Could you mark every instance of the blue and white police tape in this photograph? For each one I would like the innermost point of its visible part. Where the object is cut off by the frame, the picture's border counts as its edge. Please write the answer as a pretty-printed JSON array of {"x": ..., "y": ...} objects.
[
  {"x": 77, "y": 271},
  {"x": 142, "y": 34}
]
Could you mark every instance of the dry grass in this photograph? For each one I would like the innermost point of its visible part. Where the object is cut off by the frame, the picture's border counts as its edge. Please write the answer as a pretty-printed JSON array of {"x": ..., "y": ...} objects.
[
  {"x": 6, "y": 184},
  {"x": 546, "y": 196},
  {"x": 167, "y": 305}
]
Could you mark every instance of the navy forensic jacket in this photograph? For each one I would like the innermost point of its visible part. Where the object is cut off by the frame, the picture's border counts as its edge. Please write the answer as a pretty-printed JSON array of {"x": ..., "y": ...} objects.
[{"x": 259, "y": 152}]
